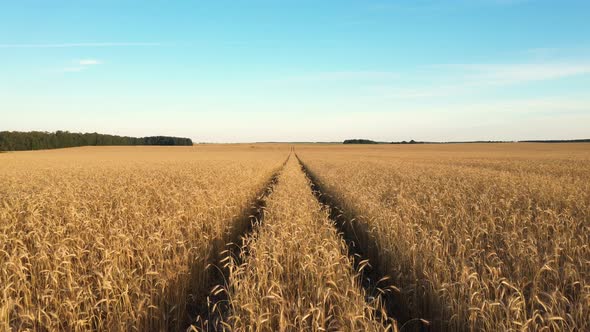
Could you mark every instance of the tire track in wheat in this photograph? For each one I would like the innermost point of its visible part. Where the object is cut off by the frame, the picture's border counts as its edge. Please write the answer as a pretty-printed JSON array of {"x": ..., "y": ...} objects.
[{"x": 295, "y": 273}]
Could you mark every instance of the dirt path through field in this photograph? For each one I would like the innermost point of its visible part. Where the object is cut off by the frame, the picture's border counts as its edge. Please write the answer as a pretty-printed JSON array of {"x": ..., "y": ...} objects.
[
  {"x": 209, "y": 314},
  {"x": 295, "y": 272},
  {"x": 376, "y": 283}
]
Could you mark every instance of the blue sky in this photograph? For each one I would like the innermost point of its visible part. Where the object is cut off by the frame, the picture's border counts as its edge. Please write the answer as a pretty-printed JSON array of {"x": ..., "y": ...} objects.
[{"x": 238, "y": 71}]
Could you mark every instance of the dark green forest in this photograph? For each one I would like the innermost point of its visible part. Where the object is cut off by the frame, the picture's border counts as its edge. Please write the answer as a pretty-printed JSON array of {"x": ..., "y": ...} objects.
[
  {"x": 359, "y": 141},
  {"x": 38, "y": 140},
  {"x": 585, "y": 140}
]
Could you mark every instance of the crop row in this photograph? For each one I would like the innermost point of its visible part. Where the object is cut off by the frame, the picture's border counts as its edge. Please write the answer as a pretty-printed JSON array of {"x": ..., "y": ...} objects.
[
  {"x": 118, "y": 239},
  {"x": 472, "y": 240}
]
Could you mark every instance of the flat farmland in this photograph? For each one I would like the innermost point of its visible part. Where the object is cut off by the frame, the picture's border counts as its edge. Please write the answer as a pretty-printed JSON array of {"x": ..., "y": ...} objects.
[
  {"x": 290, "y": 237},
  {"x": 474, "y": 236},
  {"x": 119, "y": 238}
]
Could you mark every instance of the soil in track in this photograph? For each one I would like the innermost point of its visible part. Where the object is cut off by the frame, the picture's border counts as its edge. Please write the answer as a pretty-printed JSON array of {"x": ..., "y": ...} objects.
[
  {"x": 360, "y": 247},
  {"x": 294, "y": 272},
  {"x": 209, "y": 309}
]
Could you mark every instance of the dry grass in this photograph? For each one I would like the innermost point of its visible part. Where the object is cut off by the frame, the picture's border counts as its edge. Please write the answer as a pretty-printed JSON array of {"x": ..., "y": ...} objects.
[
  {"x": 296, "y": 274},
  {"x": 482, "y": 237},
  {"x": 118, "y": 238}
]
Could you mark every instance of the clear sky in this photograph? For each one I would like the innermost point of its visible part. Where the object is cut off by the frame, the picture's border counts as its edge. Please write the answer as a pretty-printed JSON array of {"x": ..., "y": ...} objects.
[{"x": 271, "y": 70}]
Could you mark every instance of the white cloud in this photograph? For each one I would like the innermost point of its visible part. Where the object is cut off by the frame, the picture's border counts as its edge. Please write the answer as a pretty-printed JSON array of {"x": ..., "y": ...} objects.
[
  {"x": 89, "y": 62},
  {"x": 67, "y": 45},
  {"x": 501, "y": 2},
  {"x": 531, "y": 106},
  {"x": 460, "y": 79},
  {"x": 414, "y": 93},
  {"x": 442, "y": 80},
  {"x": 356, "y": 75},
  {"x": 80, "y": 65},
  {"x": 513, "y": 73}
]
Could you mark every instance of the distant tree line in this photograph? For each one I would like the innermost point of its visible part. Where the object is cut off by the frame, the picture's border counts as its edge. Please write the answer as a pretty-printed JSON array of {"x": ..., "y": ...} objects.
[
  {"x": 587, "y": 140},
  {"x": 37, "y": 140},
  {"x": 368, "y": 141},
  {"x": 359, "y": 141},
  {"x": 406, "y": 142}
]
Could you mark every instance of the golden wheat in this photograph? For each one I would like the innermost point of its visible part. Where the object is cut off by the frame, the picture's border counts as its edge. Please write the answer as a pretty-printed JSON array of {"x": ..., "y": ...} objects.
[
  {"x": 296, "y": 274},
  {"x": 476, "y": 237},
  {"x": 481, "y": 237},
  {"x": 118, "y": 239}
]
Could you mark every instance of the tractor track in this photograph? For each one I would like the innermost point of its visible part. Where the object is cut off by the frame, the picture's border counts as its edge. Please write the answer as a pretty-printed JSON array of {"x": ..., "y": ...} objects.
[
  {"x": 375, "y": 282},
  {"x": 207, "y": 316}
]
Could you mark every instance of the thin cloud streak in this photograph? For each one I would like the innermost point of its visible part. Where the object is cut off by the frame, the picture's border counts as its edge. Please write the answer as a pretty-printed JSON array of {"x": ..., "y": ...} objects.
[
  {"x": 80, "y": 65},
  {"x": 89, "y": 62},
  {"x": 467, "y": 78},
  {"x": 69, "y": 45},
  {"x": 328, "y": 76},
  {"x": 511, "y": 73}
]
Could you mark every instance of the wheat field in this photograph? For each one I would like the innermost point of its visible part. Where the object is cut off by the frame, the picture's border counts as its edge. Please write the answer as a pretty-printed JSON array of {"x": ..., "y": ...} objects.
[
  {"x": 277, "y": 237},
  {"x": 118, "y": 238},
  {"x": 295, "y": 274},
  {"x": 490, "y": 237}
]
